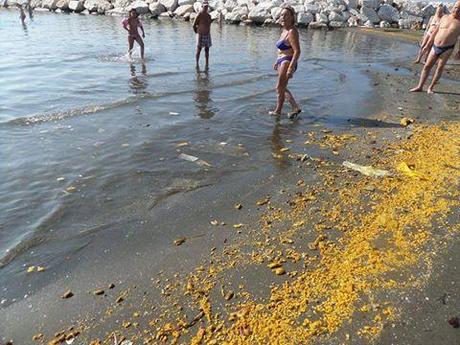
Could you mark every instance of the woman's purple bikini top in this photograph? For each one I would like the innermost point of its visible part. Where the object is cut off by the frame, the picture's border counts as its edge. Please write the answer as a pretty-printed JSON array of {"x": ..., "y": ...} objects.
[{"x": 283, "y": 44}]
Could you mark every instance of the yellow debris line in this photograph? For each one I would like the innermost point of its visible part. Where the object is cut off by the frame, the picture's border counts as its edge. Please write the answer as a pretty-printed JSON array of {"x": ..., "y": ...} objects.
[{"x": 352, "y": 270}]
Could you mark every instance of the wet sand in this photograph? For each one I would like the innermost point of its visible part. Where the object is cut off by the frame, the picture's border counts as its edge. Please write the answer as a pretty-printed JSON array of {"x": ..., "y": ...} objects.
[{"x": 145, "y": 276}]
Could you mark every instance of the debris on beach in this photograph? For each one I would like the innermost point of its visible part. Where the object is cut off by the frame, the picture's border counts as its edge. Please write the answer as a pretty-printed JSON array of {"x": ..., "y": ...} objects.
[
  {"x": 190, "y": 158},
  {"x": 179, "y": 241},
  {"x": 37, "y": 337},
  {"x": 173, "y": 113},
  {"x": 238, "y": 206},
  {"x": 279, "y": 271},
  {"x": 60, "y": 179},
  {"x": 238, "y": 226},
  {"x": 366, "y": 169},
  {"x": 406, "y": 121},
  {"x": 214, "y": 222},
  {"x": 98, "y": 292},
  {"x": 182, "y": 144},
  {"x": 263, "y": 201},
  {"x": 341, "y": 273},
  {"x": 111, "y": 285},
  {"x": 454, "y": 322},
  {"x": 71, "y": 189},
  {"x": 67, "y": 294},
  {"x": 406, "y": 170},
  {"x": 229, "y": 295}
]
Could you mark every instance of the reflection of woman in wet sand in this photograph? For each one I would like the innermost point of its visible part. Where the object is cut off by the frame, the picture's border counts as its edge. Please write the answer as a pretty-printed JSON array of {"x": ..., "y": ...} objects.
[
  {"x": 132, "y": 25},
  {"x": 427, "y": 41},
  {"x": 30, "y": 8},
  {"x": 22, "y": 15},
  {"x": 286, "y": 64}
]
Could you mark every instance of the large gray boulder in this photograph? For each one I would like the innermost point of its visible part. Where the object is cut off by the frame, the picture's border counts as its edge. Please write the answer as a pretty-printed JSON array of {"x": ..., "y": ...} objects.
[
  {"x": 91, "y": 5},
  {"x": 237, "y": 15},
  {"x": 50, "y": 4},
  {"x": 354, "y": 12},
  {"x": 351, "y": 4},
  {"x": 76, "y": 5},
  {"x": 428, "y": 11},
  {"x": 170, "y": 5},
  {"x": 345, "y": 16},
  {"x": 63, "y": 5},
  {"x": 156, "y": 8},
  {"x": 374, "y": 4},
  {"x": 230, "y": 5},
  {"x": 261, "y": 12},
  {"x": 197, "y": 6},
  {"x": 312, "y": 8},
  {"x": 119, "y": 4},
  {"x": 304, "y": 18},
  {"x": 414, "y": 9},
  {"x": 182, "y": 10},
  {"x": 250, "y": 4},
  {"x": 369, "y": 14},
  {"x": 388, "y": 13},
  {"x": 185, "y": 2},
  {"x": 321, "y": 18},
  {"x": 335, "y": 17},
  {"x": 103, "y": 6},
  {"x": 276, "y": 12},
  {"x": 298, "y": 8},
  {"x": 141, "y": 7}
]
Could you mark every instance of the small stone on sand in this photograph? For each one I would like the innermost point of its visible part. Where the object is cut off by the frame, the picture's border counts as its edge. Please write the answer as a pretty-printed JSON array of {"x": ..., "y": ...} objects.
[
  {"x": 67, "y": 294},
  {"x": 179, "y": 241}
]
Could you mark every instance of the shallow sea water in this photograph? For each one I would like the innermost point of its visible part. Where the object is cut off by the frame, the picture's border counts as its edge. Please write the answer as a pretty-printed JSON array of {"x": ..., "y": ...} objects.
[{"x": 89, "y": 140}]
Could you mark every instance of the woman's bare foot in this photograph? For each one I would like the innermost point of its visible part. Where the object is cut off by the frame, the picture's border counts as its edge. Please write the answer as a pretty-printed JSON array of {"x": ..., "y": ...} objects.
[
  {"x": 417, "y": 61},
  {"x": 274, "y": 112},
  {"x": 430, "y": 91},
  {"x": 416, "y": 89}
]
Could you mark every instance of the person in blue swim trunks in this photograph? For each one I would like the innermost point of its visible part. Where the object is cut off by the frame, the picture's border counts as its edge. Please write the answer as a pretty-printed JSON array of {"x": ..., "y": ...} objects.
[
  {"x": 445, "y": 37},
  {"x": 286, "y": 64}
]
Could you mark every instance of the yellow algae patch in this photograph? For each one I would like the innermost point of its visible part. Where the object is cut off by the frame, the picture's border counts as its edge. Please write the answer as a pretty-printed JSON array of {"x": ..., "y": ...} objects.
[{"x": 350, "y": 271}]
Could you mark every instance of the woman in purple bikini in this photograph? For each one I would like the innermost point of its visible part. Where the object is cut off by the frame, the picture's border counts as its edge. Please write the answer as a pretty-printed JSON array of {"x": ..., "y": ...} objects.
[{"x": 286, "y": 64}]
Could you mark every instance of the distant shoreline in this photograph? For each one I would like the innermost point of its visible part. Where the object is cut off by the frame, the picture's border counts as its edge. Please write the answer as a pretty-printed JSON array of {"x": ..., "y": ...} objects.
[{"x": 327, "y": 14}]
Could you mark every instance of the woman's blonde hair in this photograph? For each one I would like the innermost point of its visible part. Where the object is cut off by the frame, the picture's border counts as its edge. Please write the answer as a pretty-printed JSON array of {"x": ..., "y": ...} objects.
[{"x": 292, "y": 11}]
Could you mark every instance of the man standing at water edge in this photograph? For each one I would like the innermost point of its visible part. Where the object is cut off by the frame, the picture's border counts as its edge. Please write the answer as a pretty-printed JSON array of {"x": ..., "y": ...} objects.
[
  {"x": 202, "y": 28},
  {"x": 445, "y": 37}
]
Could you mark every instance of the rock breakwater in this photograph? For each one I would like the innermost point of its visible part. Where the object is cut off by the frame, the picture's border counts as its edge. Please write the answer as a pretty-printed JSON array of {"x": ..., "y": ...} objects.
[{"x": 310, "y": 13}]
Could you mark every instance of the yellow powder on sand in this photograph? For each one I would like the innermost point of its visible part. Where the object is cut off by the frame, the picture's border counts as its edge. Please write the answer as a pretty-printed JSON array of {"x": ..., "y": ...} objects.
[{"x": 351, "y": 270}]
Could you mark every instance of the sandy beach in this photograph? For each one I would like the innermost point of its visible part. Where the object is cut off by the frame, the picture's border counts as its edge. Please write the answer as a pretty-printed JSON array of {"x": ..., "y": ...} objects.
[{"x": 299, "y": 251}]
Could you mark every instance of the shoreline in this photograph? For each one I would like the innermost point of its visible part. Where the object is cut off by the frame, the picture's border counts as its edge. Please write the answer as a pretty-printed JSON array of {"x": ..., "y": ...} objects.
[
  {"x": 149, "y": 288},
  {"x": 323, "y": 14}
]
